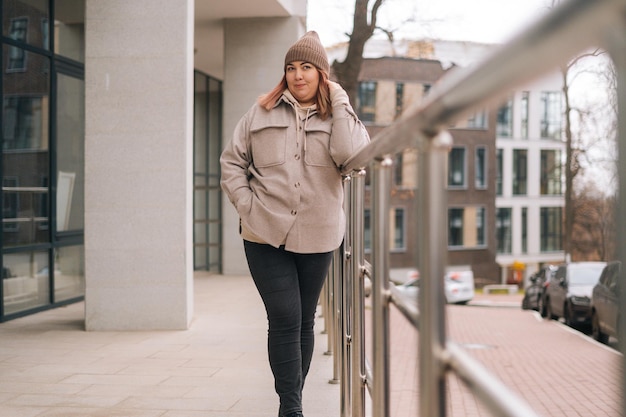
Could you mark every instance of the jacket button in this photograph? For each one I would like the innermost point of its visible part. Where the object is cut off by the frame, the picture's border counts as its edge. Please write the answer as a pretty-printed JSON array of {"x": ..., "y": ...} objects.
[
  {"x": 296, "y": 185},
  {"x": 297, "y": 156},
  {"x": 293, "y": 212}
]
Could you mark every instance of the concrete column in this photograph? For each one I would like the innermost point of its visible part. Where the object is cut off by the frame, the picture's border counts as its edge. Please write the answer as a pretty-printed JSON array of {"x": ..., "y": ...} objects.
[
  {"x": 138, "y": 164},
  {"x": 254, "y": 56}
]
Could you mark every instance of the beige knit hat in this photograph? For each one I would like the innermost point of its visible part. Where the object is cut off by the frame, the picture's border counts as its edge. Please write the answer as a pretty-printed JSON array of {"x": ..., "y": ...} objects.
[{"x": 308, "y": 48}]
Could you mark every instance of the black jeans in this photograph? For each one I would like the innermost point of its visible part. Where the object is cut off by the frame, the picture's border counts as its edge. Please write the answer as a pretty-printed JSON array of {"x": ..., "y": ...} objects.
[{"x": 289, "y": 284}]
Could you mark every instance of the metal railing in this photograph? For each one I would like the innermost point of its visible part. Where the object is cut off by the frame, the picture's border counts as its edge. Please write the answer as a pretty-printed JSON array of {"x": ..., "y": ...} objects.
[{"x": 569, "y": 29}]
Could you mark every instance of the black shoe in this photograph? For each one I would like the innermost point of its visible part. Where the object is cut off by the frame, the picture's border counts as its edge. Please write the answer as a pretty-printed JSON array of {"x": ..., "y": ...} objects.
[{"x": 294, "y": 414}]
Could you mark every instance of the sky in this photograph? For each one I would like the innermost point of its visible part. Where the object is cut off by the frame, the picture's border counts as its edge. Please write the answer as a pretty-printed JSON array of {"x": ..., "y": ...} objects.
[
  {"x": 488, "y": 21},
  {"x": 485, "y": 21}
]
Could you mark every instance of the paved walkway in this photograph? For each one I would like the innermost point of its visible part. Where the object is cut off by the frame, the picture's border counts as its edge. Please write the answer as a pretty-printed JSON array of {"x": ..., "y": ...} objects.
[{"x": 49, "y": 366}]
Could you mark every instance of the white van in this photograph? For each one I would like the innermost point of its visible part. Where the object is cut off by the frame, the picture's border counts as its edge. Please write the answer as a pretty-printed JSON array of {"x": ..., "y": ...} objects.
[{"x": 459, "y": 286}]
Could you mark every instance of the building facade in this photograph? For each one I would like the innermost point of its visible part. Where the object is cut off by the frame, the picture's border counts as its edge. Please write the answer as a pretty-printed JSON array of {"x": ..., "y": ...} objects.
[
  {"x": 114, "y": 116},
  {"x": 530, "y": 174},
  {"x": 388, "y": 86},
  {"x": 505, "y": 176}
]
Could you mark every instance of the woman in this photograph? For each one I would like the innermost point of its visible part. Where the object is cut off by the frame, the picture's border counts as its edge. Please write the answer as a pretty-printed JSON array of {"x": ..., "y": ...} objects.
[{"x": 282, "y": 172}]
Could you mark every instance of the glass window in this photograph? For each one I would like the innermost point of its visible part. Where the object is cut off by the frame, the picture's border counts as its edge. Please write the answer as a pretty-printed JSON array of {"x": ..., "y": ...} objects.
[
  {"x": 455, "y": 227},
  {"x": 524, "y": 230},
  {"x": 10, "y": 204},
  {"x": 520, "y": 171},
  {"x": 34, "y": 12},
  {"x": 478, "y": 120},
  {"x": 398, "y": 166},
  {"x": 367, "y": 101},
  {"x": 550, "y": 181},
  {"x": 524, "y": 114},
  {"x": 504, "y": 127},
  {"x": 70, "y": 198},
  {"x": 499, "y": 171},
  {"x": 550, "y": 229},
  {"x": 399, "y": 98},
  {"x": 551, "y": 114},
  {"x": 25, "y": 281},
  {"x": 456, "y": 168},
  {"x": 16, "y": 59},
  {"x": 398, "y": 241},
  {"x": 69, "y": 273},
  {"x": 207, "y": 192},
  {"x": 503, "y": 230},
  {"x": 466, "y": 227},
  {"x": 25, "y": 163},
  {"x": 480, "y": 167},
  {"x": 69, "y": 29}
]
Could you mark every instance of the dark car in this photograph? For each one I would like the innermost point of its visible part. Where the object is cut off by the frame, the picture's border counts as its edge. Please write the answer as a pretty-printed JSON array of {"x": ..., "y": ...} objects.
[
  {"x": 569, "y": 293},
  {"x": 533, "y": 294},
  {"x": 605, "y": 303}
]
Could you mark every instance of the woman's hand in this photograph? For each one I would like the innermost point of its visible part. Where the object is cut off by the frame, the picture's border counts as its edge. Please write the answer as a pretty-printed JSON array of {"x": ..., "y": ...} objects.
[{"x": 332, "y": 86}]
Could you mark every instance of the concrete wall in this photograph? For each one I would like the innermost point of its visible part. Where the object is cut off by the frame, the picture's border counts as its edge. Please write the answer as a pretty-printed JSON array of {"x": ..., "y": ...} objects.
[
  {"x": 138, "y": 164},
  {"x": 254, "y": 55}
]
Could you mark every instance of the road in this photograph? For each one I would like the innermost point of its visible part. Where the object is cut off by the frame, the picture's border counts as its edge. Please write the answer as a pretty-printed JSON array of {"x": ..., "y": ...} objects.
[{"x": 557, "y": 370}]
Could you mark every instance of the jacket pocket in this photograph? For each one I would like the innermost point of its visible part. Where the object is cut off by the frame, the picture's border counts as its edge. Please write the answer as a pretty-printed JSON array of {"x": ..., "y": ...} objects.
[
  {"x": 318, "y": 146},
  {"x": 269, "y": 146}
]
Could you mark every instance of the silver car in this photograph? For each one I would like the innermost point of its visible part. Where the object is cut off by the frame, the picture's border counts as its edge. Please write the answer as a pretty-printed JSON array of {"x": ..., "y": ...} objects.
[
  {"x": 605, "y": 303},
  {"x": 569, "y": 293}
]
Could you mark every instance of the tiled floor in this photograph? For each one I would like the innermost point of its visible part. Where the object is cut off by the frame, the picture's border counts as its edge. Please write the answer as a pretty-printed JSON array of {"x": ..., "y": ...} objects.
[{"x": 50, "y": 367}]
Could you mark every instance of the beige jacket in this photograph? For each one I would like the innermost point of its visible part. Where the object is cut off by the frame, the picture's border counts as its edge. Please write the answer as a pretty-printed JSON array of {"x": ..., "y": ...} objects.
[{"x": 282, "y": 172}]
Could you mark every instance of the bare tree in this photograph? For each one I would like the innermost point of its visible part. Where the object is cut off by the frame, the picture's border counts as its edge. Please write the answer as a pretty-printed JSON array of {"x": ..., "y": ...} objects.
[
  {"x": 576, "y": 151},
  {"x": 364, "y": 24},
  {"x": 593, "y": 233},
  {"x": 573, "y": 150}
]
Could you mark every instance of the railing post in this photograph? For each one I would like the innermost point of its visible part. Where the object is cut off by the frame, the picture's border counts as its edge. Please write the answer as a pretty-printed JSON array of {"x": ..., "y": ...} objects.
[
  {"x": 346, "y": 309},
  {"x": 381, "y": 190},
  {"x": 357, "y": 329},
  {"x": 326, "y": 312},
  {"x": 335, "y": 305},
  {"x": 432, "y": 210},
  {"x": 617, "y": 49}
]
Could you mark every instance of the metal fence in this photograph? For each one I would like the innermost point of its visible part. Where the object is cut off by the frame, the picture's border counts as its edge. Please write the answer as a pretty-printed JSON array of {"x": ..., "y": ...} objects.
[{"x": 569, "y": 29}]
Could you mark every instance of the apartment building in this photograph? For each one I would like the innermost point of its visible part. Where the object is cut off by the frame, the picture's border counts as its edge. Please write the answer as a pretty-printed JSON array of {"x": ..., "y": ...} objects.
[
  {"x": 114, "y": 116},
  {"x": 530, "y": 184},
  {"x": 387, "y": 87},
  {"x": 505, "y": 177}
]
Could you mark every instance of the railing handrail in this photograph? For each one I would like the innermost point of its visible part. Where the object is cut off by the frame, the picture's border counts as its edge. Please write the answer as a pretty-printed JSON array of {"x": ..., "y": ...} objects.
[
  {"x": 532, "y": 53},
  {"x": 571, "y": 28}
]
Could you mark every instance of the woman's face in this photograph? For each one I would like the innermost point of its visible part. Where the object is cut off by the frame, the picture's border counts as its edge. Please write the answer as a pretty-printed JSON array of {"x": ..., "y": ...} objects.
[{"x": 303, "y": 81}]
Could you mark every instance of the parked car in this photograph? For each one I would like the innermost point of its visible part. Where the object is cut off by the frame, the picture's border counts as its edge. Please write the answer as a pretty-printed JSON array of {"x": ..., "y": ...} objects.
[
  {"x": 569, "y": 293},
  {"x": 534, "y": 293},
  {"x": 458, "y": 286},
  {"x": 410, "y": 288},
  {"x": 605, "y": 303}
]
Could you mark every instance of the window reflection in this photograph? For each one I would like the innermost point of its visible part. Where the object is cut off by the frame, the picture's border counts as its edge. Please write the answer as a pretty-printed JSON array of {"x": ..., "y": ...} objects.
[
  {"x": 25, "y": 281},
  {"x": 26, "y": 21},
  {"x": 25, "y": 158},
  {"x": 69, "y": 29},
  {"x": 69, "y": 273},
  {"x": 70, "y": 153}
]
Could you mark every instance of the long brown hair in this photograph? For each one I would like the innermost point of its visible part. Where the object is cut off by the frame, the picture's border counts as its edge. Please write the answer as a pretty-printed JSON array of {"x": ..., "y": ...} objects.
[{"x": 322, "y": 98}]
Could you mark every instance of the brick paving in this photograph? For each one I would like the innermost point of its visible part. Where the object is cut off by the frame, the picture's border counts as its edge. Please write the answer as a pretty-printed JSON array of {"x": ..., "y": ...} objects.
[{"x": 558, "y": 371}]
